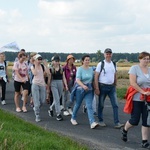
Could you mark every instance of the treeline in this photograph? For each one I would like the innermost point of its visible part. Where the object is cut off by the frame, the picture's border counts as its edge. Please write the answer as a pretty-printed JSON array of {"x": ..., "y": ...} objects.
[{"x": 95, "y": 57}]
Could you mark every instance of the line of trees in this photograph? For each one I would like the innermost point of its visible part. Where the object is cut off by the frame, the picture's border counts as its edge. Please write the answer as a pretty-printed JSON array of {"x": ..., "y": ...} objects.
[{"x": 95, "y": 57}]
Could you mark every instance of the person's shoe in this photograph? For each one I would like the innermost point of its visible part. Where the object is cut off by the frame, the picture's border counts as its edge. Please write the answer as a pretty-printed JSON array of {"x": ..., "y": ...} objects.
[
  {"x": 24, "y": 109},
  {"x": 102, "y": 124},
  {"x": 84, "y": 109},
  {"x": 3, "y": 102},
  {"x": 50, "y": 113},
  {"x": 145, "y": 145},
  {"x": 66, "y": 113},
  {"x": 18, "y": 109},
  {"x": 70, "y": 111},
  {"x": 124, "y": 135},
  {"x": 94, "y": 125},
  {"x": 59, "y": 117},
  {"x": 37, "y": 118},
  {"x": 74, "y": 122},
  {"x": 118, "y": 125}
]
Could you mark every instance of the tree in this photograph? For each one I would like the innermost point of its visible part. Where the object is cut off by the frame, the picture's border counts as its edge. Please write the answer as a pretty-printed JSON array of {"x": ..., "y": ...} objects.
[
  {"x": 93, "y": 59},
  {"x": 98, "y": 53}
]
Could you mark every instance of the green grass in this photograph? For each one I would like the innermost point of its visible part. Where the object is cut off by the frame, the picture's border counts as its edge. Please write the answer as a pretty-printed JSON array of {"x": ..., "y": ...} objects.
[
  {"x": 16, "y": 134},
  {"x": 121, "y": 92}
]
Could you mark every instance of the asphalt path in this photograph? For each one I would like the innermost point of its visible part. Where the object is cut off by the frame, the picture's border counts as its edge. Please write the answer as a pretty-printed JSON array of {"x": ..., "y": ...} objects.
[{"x": 101, "y": 138}]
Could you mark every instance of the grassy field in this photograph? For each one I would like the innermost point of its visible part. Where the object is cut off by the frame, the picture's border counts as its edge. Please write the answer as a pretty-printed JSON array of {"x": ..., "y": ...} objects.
[{"x": 16, "y": 134}]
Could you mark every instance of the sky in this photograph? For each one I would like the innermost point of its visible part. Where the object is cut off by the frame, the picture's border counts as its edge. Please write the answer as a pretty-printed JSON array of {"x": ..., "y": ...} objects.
[{"x": 76, "y": 26}]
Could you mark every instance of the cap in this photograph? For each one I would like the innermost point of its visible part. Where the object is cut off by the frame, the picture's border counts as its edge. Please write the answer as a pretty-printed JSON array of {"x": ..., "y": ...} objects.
[
  {"x": 37, "y": 56},
  {"x": 70, "y": 56},
  {"x": 108, "y": 50},
  {"x": 55, "y": 58}
]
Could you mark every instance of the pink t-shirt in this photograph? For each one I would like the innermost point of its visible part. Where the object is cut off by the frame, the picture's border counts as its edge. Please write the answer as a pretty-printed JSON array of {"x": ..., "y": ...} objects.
[
  {"x": 39, "y": 78},
  {"x": 22, "y": 70}
]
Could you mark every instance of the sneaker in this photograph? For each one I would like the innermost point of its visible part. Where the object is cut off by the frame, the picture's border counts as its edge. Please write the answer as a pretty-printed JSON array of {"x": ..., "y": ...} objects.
[
  {"x": 118, "y": 125},
  {"x": 146, "y": 145},
  {"x": 94, "y": 125},
  {"x": 3, "y": 102},
  {"x": 84, "y": 109},
  {"x": 59, "y": 117},
  {"x": 74, "y": 122},
  {"x": 102, "y": 124},
  {"x": 70, "y": 111},
  {"x": 50, "y": 112},
  {"x": 37, "y": 118},
  {"x": 66, "y": 113},
  {"x": 124, "y": 135}
]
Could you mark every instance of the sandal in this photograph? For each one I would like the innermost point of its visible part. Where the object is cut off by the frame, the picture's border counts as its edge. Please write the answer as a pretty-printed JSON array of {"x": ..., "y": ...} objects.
[
  {"x": 18, "y": 109},
  {"x": 24, "y": 109}
]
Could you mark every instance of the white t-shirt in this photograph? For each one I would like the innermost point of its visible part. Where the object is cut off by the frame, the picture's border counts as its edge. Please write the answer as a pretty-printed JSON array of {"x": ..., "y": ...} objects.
[{"x": 107, "y": 76}]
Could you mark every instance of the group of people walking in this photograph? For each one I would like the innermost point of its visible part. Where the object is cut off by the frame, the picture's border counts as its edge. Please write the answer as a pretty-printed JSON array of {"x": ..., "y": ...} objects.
[{"x": 69, "y": 86}]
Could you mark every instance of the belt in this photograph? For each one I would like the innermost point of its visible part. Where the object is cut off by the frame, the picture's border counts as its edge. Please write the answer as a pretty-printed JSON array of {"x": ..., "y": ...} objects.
[{"x": 106, "y": 84}]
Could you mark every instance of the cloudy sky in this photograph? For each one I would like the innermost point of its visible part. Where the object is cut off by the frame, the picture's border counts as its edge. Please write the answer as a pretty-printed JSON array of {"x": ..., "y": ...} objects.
[{"x": 76, "y": 25}]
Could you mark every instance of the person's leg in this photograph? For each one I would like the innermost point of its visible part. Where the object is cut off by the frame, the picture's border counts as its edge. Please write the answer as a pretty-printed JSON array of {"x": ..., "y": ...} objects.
[
  {"x": 3, "y": 84},
  {"x": 35, "y": 94},
  {"x": 89, "y": 101},
  {"x": 42, "y": 93},
  {"x": 79, "y": 99},
  {"x": 114, "y": 102},
  {"x": 102, "y": 96},
  {"x": 56, "y": 96},
  {"x": 17, "y": 86},
  {"x": 133, "y": 121}
]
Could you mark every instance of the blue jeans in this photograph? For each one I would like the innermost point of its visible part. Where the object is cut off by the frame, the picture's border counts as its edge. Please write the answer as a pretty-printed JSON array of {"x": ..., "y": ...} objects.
[
  {"x": 88, "y": 97},
  {"x": 110, "y": 91}
]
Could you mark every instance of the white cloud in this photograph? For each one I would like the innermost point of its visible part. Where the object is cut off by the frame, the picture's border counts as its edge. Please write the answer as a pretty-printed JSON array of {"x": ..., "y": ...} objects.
[{"x": 79, "y": 25}]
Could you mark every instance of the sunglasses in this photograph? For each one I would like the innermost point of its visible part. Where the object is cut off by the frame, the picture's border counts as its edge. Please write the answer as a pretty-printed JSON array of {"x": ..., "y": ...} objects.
[{"x": 39, "y": 58}]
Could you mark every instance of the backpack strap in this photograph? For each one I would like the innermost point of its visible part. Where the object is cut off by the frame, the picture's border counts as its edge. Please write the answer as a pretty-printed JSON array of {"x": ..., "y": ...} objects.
[{"x": 41, "y": 66}]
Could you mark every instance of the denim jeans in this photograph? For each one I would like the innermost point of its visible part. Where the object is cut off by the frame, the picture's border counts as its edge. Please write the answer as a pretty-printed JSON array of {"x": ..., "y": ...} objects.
[
  {"x": 110, "y": 91},
  {"x": 88, "y": 97}
]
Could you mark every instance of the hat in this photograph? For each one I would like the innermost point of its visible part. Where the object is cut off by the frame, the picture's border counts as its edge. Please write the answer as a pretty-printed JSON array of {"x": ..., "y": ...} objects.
[
  {"x": 108, "y": 50},
  {"x": 55, "y": 58},
  {"x": 37, "y": 56},
  {"x": 70, "y": 56}
]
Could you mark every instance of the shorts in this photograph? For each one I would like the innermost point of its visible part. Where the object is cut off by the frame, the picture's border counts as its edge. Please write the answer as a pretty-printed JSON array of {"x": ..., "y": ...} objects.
[{"x": 17, "y": 86}]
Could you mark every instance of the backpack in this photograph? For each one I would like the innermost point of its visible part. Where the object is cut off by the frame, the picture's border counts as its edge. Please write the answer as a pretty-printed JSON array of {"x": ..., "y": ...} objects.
[{"x": 102, "y": 66}]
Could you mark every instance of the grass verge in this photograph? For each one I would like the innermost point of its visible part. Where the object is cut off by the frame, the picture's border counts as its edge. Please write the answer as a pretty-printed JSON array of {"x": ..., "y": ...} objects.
[{"x": 16, "y": 134}]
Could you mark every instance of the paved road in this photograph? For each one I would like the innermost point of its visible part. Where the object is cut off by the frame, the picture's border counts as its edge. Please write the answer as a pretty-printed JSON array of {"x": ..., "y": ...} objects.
[{"x": 102, "y": 138}]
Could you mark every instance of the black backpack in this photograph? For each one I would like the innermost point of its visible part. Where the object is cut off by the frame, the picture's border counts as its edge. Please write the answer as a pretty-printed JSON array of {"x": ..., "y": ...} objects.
[{"x": 102, "y": 66}]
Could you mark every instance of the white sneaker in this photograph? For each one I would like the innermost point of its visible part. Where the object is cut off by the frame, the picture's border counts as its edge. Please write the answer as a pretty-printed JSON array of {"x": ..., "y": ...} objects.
[
  {"x": 3, "y": 102},
  {"x": 70, "y": 111},
  {"x": 102, "y": 124},
  {"x": 74, "y": 122},
  {"x": 66, "y": 113},
  {"x": 94, "y": 125}
]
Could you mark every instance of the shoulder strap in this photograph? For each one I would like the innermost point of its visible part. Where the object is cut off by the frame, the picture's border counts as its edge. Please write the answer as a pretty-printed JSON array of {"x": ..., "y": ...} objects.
[
  {"x": 102, "y": 65},
  {"x": 41, "y": 66},
  {"x": 114, "y": 64},
  {"x": 5, "y": 63}
]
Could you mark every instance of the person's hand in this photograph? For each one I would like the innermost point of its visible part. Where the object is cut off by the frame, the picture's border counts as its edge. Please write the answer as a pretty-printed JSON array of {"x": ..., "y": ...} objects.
[
  {"x": 85, "y": 88},
  {"x": 97, "y": 91},
  {"x": 147, "y": 93},
  {"x": 45, "y": 63}
]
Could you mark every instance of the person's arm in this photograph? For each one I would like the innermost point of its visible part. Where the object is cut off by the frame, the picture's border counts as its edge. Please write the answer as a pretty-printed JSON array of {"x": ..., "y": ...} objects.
[
  {"x": 96, "y": 86},
  {"x": 81, "y": 84},
  {"x": 65, "y": 81},
  {"x": 133, "y": 83}
]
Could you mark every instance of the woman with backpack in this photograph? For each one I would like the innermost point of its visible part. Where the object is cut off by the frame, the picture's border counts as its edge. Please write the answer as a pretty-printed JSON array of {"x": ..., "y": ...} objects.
[{"x": 58, "y": 81}]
